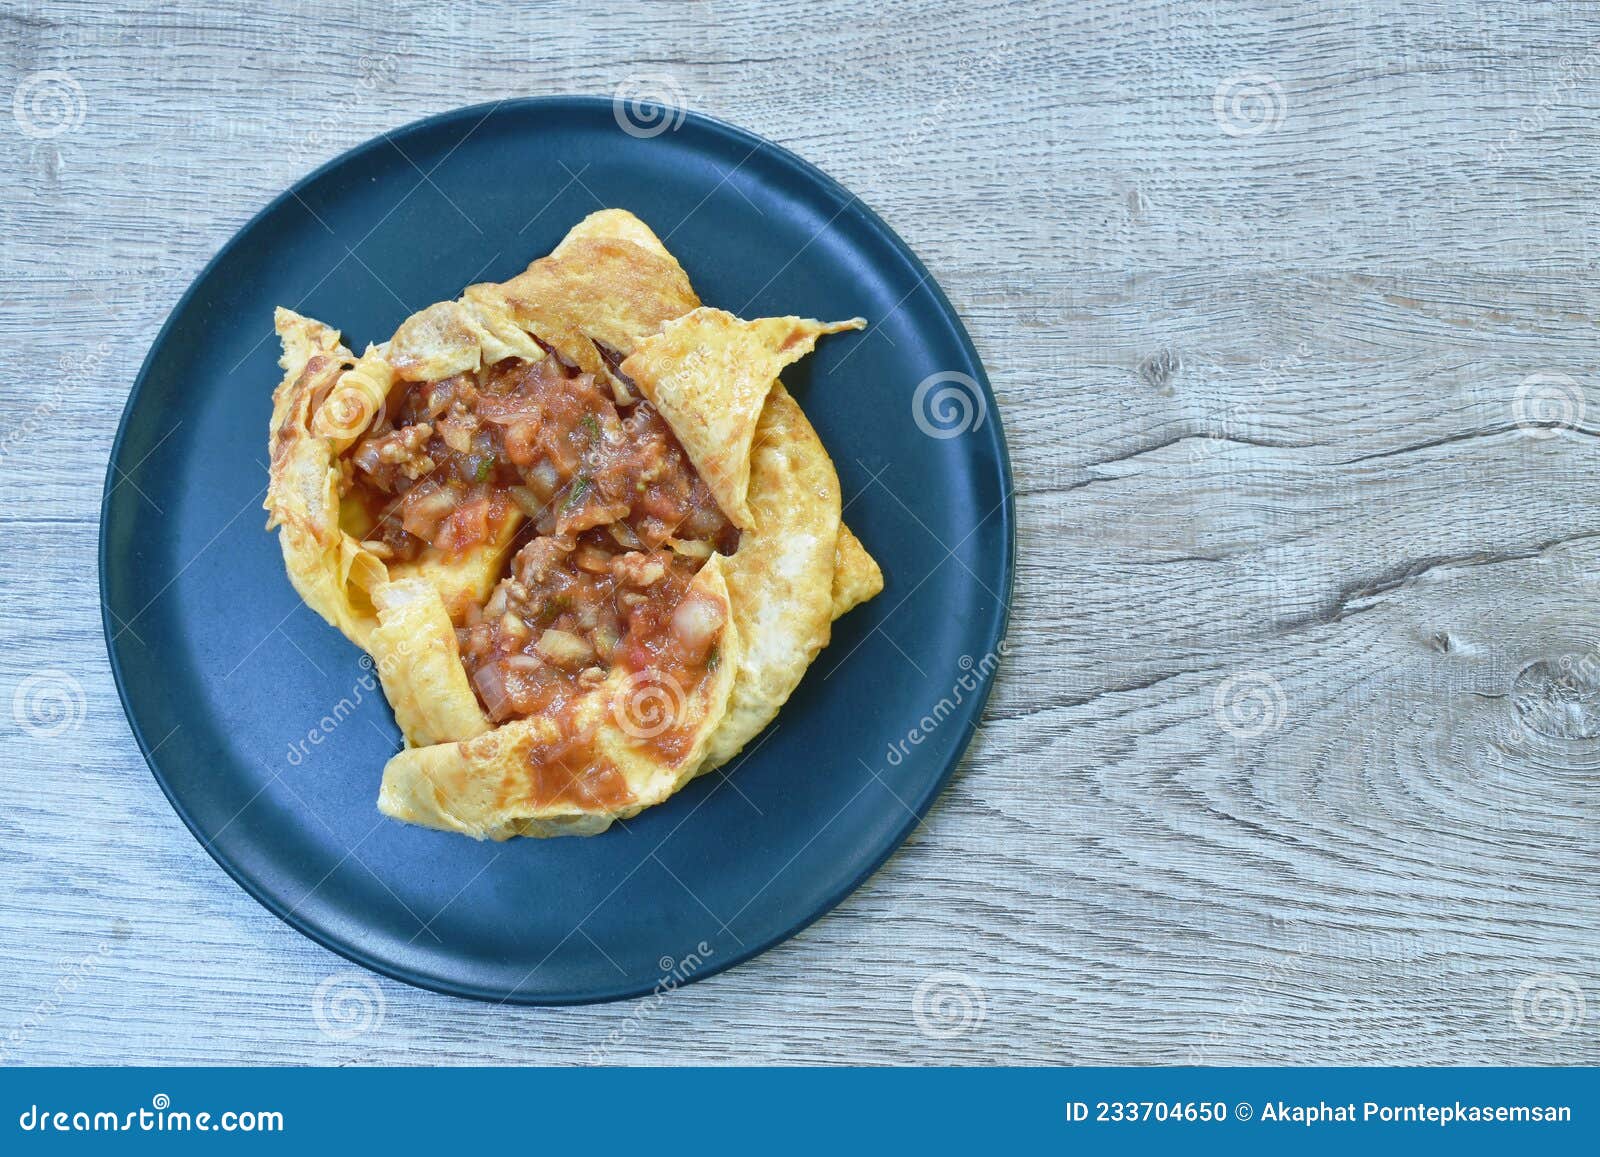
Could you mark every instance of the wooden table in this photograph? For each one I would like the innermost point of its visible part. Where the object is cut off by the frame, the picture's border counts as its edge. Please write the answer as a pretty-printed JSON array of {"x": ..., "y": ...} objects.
[{"x": 1290, "y": 312}]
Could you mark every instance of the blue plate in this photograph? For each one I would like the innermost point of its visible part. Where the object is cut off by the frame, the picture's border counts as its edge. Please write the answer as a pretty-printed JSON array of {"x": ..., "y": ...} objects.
[{"x": 264, "y": 726}]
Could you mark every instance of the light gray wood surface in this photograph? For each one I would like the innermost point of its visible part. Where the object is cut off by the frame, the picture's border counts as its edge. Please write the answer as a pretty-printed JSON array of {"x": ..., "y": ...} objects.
[{"x": 1259, "y": 364}]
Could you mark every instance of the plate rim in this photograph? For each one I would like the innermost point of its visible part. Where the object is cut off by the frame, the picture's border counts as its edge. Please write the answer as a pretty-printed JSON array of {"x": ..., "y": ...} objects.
[{"x": 917, "y": 810}]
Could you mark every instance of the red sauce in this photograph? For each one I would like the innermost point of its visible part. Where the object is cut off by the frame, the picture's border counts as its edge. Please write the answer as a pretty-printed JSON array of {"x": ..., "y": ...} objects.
[
  {"x": 617, "y": 524},
  {"x": 570, "y": 772},
  {"x": 451, "y": 458}
]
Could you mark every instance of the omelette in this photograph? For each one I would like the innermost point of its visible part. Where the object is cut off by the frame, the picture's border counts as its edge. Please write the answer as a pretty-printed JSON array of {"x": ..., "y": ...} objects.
[{"x": 588, "y": 539}]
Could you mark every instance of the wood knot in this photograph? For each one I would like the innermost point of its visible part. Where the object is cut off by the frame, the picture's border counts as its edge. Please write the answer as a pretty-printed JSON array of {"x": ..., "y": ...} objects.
[
  {"x": 1560, "y": 698},
  {"x": 1160, "y": 368}
]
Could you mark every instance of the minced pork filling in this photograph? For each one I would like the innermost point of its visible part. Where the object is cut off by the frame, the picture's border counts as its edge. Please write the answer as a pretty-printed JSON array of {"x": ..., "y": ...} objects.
[{"x": 614, "y": 523}]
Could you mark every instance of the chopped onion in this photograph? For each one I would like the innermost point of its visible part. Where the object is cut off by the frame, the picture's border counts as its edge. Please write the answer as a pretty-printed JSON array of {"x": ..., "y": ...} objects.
[
  {"x": 366, "y": 455},
  {"x": 490, "y": 680},
  {"x": 456, "y": 435},
  {"x": 496, "y": 606},
  {"x": 543, "y": 479},
  {"x": 423, "y": 511},
  {"x": 564, "y": 649},
  {"x": 520, "y": 443},
  {"x": 439, "y": 397},
  {"x": 697, "y": 621},
  {"x": 639, "y": 570},
  {"x": 508, "y": 412},
  {"x": 607, "y": 638},
  {"x": 702, "y": 523},
  {"x": 466, "y": 526},
  {"x": 527, "y": 501},
  {"x": 690, "y": 547},
  {"x": 591, "y": 559}
]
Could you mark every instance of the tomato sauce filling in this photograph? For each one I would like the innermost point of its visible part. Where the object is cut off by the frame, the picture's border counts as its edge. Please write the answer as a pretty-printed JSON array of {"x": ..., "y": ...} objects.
[{"x": 612, "y": 524}]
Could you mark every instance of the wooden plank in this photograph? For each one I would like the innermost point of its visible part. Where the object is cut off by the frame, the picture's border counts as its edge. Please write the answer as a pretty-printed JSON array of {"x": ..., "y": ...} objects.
[{"x": 1303, "y": 418}]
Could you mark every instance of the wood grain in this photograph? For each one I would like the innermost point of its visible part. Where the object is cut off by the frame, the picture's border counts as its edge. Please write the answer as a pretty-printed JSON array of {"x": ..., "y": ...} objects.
[{"x": 1262, "y": 395}]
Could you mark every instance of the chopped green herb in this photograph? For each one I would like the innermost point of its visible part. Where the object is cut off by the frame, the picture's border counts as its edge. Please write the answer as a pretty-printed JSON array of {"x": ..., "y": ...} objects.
[
  {"x": 591, "y": 427},
  {"x": 485, "y": 468},
  {"x": 551, "y": 610},
  {"x": 580, "y": 487},
  {"x": 713, "y": 659}
]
